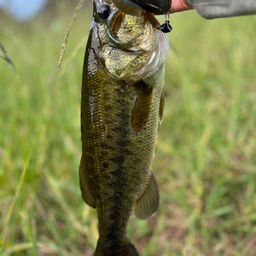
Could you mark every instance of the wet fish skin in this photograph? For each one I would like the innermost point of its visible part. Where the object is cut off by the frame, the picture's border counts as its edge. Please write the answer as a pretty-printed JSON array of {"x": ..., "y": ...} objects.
[{"x": 122, "y": 95}]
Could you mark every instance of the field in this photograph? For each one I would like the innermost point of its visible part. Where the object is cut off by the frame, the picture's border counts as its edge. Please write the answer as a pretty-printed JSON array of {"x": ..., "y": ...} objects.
[{"x": 205, "y": 160}]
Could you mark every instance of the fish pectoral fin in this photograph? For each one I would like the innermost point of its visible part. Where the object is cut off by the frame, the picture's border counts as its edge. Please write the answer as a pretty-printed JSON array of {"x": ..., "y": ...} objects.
[
  {"x": 142, "y": 107},
  {"x": 148, "y": 204},
  {"x": 84, "y": 186},
  {"x": 161, "y": 107}
]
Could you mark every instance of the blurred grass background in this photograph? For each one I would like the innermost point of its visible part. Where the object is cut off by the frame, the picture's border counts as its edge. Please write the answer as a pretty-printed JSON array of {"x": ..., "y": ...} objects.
[{"x": 205, "y": 160}]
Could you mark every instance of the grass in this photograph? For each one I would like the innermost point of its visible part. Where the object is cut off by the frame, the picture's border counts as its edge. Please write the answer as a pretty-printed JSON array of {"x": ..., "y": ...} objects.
[{"x": 205, "y": 160}]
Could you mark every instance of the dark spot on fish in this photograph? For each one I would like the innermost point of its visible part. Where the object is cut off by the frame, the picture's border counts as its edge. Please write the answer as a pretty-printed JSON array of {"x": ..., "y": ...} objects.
[
  {"x": 109, "y": 136},
  {"x": 117, "y": 181},
  {"x": 105, "y": 165},
  {"x": 108, "y": 107},
  {"x": 120, "y": 131},
  {"x": 116, "y": 159}
]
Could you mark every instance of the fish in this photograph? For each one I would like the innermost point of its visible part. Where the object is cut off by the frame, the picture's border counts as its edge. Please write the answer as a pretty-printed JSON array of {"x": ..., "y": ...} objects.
[{"x": 122, "y": 107}]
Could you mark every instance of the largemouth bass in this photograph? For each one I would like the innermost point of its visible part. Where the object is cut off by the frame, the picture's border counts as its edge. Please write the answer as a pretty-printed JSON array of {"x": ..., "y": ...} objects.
[{"x": 121, "y": 110}]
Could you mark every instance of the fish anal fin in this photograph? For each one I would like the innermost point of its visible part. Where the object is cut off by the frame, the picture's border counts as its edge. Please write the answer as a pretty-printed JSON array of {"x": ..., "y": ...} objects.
[
  {"x": 148, "y": 204},
  {"x": 84, "y": 186},
  {"x": 142, "y": 107},
  {"x": 161, "y": 107}
]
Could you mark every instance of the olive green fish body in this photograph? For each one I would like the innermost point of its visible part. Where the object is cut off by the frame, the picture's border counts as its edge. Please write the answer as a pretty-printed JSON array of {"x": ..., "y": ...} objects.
[{"x": 120, "y": 115}]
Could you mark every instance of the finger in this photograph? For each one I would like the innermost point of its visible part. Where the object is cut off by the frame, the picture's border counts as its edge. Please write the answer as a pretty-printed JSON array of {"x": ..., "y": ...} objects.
[{"x": 180, "y": 5}]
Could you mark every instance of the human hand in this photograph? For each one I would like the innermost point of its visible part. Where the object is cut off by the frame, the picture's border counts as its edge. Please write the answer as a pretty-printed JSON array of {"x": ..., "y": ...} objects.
[{"x": 180, "y": 6}]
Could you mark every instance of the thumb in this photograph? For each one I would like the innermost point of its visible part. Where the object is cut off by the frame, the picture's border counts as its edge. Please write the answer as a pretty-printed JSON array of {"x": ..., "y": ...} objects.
[{"x": 180, "y": 5}]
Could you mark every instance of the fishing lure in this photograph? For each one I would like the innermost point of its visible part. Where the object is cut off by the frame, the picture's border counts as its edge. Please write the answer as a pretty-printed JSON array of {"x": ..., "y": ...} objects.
[{"x": 166, "y": 27}]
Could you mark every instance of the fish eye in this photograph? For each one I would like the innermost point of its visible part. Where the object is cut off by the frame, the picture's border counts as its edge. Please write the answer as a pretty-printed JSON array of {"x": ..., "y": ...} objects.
[{"x": 104, "y": 11}]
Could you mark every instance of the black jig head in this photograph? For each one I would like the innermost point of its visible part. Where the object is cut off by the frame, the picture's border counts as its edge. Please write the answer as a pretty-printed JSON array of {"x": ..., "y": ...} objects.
[{"x": 166, "y": 27}]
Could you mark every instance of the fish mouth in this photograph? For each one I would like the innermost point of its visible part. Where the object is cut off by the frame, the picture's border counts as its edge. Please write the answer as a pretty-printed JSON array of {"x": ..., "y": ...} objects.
[
  {"x": 135, "y": 51},
  {"x": 114, "y": 22}
]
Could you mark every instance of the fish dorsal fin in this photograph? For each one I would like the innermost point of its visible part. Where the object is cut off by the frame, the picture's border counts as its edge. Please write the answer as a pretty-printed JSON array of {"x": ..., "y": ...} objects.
[
  {"x": 161, "y": 107},
  {"x": 148, "y": 204},
  {"x": 84, "y": 186},
  {"x": 142, "y": 107}
]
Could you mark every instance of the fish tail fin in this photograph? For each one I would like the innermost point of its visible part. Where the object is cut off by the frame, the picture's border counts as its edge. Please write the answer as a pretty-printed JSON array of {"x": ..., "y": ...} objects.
[{"x": 127, "y": 250}]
